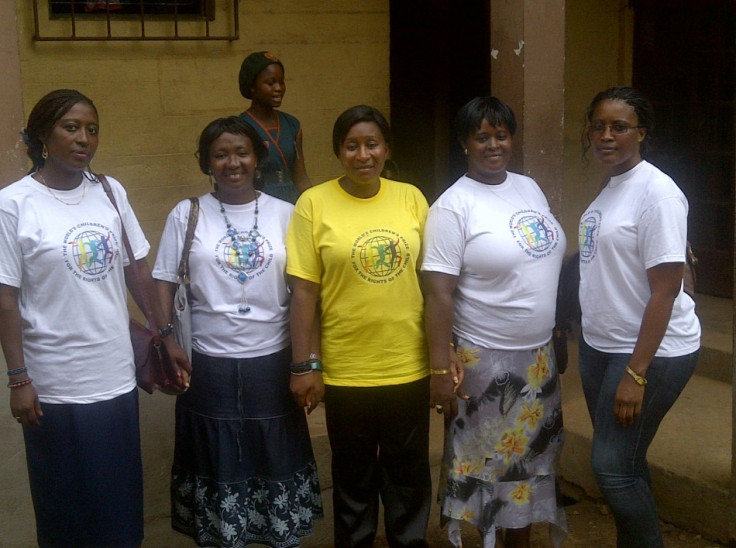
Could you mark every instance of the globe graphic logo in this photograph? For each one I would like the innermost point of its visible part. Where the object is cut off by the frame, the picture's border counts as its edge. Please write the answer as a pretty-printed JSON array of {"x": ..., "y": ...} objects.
[
  {"x": 533, "y": 230},
  {"x": 248, "y": 257},
  {"x": 380, "y": 256},
  {"x": 586, "y": 236},
  {"x": 92, "y": 252}
]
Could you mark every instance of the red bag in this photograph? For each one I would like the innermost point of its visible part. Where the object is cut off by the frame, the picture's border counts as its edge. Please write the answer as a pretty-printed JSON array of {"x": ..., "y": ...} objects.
[
  {"x": 152, "y": 364},
  {"x": 153, "y": 369}
]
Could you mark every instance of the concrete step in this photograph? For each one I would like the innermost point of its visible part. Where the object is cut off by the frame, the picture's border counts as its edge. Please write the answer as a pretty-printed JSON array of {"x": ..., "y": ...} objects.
[{"x": 716, "y": 354}]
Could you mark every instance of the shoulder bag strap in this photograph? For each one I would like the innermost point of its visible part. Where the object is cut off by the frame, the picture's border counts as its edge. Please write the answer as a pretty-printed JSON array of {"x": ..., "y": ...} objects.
[
  {"x": 135, "y": 271},
  {"x": 183, "y": 272}
]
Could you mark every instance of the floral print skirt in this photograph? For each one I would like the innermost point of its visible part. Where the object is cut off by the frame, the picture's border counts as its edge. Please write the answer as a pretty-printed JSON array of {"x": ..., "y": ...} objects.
[
  {"x": 244, "y": 471},
  {"x": 502, "y": 449}
]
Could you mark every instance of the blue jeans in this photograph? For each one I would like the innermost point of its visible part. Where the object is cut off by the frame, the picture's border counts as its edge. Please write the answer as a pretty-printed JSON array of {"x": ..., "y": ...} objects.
[{"x": 619, "y": 457}]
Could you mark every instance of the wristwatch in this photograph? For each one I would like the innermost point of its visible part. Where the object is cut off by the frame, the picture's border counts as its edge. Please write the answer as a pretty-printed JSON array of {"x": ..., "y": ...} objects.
[
  {"x": 301, "y": 368},
  {"x": 165, "y": 331}
]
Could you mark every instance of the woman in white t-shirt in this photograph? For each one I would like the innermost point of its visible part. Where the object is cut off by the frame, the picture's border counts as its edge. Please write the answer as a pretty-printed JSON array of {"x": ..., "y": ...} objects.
[
  {"x": 243, "y": 471},
  {"x": 640, "y": 332},
  {"x": 493, "y": 252},
  {"x": 64, "y": 318}
]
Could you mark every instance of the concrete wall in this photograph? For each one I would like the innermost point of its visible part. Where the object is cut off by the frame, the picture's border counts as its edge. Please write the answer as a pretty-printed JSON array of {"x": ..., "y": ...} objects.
[
  {"x": 12, "y": 153},
  {"x": 154, "y": 98}
]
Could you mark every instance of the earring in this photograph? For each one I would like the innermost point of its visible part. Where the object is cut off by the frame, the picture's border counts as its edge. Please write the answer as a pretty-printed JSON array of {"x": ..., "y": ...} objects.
[
  {"x": 465, "y": 151},
  {"x": 44, "y": 152}
]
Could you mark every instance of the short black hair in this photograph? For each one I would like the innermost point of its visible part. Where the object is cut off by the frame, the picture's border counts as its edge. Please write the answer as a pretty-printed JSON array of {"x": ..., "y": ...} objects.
[
  {"x": 356, "y": 115},
  {"x": 470, "y": 117},
  {"x": 230, "y": 124}
]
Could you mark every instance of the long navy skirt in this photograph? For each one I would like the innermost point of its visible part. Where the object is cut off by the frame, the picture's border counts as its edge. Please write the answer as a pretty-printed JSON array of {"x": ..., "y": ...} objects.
[
  {"x": 244, "y": 471},
  {"x": 84, "y": 467}
]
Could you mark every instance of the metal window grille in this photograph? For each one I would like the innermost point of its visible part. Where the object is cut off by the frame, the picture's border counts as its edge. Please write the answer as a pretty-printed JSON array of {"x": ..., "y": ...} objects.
[{"x": 104, "y": 20}]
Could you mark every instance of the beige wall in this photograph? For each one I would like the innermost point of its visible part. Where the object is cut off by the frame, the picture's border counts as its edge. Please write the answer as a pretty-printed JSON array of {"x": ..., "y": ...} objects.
[
  {"x": 154, "y": 98},
  {"x": 12, "y": 153}
]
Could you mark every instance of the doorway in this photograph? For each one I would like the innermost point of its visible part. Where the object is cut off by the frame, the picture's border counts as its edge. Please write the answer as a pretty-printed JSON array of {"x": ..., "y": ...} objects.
[
  {"x": 440, "y": 59},
  {"x": 684, "y": 62}
]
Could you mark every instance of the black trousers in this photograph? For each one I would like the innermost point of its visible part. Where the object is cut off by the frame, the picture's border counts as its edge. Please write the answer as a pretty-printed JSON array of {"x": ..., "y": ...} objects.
[{"x": 380, "y": 446}]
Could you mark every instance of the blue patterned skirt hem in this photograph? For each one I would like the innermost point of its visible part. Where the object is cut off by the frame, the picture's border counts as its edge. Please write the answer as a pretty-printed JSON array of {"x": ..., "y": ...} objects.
[{"x": 244, "y": 471}]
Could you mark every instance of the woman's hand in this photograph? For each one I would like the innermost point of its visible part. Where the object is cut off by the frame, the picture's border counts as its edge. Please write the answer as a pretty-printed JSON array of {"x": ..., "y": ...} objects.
[
  {"x": 457, "y": 372},
  {"x": 25, "y": 406},
  {"x": 629, "y": 398},
  {"x": 179, "y": 363},
  {"x": 442, "y": 394},
  {"x": 665, "y": 281},
  {"x": 307, "y": 390}
]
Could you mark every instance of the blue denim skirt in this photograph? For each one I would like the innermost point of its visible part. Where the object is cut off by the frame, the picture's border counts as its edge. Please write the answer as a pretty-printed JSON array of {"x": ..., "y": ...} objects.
[
  {"x": 84, "y": 467},
  {"x": 244, "y": 471}
]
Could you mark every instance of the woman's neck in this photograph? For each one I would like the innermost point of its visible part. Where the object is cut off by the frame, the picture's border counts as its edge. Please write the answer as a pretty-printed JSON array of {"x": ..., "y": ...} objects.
[
  {"x": 263, "y": 113},
  {"x": 363, "y": 190},
  {"x": 239, "y": 197},
  {"x": 59, "y": 179}
]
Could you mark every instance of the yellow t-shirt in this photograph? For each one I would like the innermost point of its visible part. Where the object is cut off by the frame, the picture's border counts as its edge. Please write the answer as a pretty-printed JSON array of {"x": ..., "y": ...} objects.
[{"x": 365, "y": 254}]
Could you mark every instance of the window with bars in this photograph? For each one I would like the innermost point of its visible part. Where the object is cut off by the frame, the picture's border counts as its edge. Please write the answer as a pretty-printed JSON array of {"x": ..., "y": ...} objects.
[{"x": 135, "y": 20}]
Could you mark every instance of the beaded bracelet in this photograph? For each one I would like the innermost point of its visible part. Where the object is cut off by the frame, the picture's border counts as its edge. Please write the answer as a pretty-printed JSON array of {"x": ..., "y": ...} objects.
[
  {"x": 18, "y": 371},
  {"x": 20, "y": 383},
  {"x": 439, "y": 371}
]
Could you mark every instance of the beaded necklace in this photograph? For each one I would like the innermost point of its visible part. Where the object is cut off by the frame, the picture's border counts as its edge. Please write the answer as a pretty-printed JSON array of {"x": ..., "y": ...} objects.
[{"x": 244, "y": 247}]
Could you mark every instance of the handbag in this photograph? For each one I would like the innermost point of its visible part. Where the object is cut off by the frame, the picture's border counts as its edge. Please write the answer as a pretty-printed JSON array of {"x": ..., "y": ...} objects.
[
  {"x": 153, "y": 369},
  {"x": 182, "y": 313}
]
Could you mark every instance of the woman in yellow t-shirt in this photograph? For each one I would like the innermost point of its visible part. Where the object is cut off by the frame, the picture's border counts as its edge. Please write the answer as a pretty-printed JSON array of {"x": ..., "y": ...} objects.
[{"x": 353, "y": 251}]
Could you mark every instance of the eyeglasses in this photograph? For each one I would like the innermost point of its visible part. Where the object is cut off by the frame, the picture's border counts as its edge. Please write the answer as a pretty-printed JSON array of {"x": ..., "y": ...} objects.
[{"x": 616, "y": 129}]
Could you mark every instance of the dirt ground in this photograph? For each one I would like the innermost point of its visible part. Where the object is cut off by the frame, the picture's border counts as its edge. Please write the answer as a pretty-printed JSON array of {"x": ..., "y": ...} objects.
[{"x": 589, "y": 524}]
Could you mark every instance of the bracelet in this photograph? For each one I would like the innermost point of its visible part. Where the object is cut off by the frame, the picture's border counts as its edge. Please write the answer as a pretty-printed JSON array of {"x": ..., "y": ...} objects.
[
  {"x": 18, "y": 371},
  {"x": 165, "y": 331},
  {"x": 638, "y": 379},
  {"x": 20, "y": 383},
  {"x": 438, "y": 371}
]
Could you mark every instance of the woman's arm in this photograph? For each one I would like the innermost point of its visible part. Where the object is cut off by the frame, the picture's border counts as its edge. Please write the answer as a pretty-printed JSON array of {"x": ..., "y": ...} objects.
[
  {"x": 665, "y": 281},
  {"x": 301, "y": 180},
  {"x": 307, "y": 389},
  {"x": 438, "y": 320},
  {"x": 24, "y": 399},
  {"x": 147, "y": 291}
]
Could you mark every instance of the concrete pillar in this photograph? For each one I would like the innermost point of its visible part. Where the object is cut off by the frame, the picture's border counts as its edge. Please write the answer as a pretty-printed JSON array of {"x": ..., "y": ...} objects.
[
  {"x": 527, "y": 71},
  {"x": 13, "y": 161}
]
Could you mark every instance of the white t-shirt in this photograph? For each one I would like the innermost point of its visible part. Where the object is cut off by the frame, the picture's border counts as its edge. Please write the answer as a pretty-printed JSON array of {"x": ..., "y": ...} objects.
[
  {"x": 68, "y": 262},
  {"x": 218, "y": 329},
  {"x": 638, "y": 221},
  {"x": 506, "y": 248}
]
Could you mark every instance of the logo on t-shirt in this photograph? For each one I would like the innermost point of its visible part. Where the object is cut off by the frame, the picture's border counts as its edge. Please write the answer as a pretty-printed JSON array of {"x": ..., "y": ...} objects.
[
  {"x": 380, "y": 255},
  {"x": 590, "y": 223},
  {"x": 250, "y": 255},
  {"x": 536, "y": 234},
  {"x": 89, "y": 251}
]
